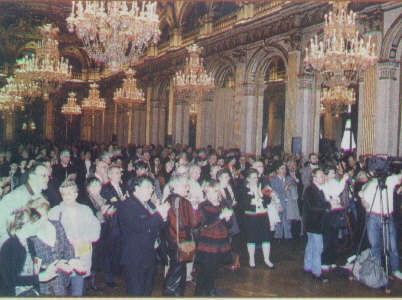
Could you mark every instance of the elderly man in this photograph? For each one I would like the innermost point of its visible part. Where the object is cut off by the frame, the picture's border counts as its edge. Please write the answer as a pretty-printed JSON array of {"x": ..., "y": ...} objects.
[
  {"x": 64, "y": 170},
  {"x": 37, "y": 182}
]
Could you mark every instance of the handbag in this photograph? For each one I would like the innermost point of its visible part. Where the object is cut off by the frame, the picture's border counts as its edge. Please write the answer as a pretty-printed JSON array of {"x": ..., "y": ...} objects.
[{"x": 186, "y": 250}]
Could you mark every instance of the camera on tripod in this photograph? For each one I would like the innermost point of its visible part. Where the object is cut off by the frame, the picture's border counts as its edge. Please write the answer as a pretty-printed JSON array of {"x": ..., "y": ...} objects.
[{"x": 382, "y": 166}]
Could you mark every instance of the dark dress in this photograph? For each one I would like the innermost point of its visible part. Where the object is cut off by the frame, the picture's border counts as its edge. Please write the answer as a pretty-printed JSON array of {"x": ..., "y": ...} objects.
[
  {"x": 15, "y": 269},
  {"x": 255, "y": 221},
  {"x": 213, "y": 247},
  {"x": 62, "y": 250}
]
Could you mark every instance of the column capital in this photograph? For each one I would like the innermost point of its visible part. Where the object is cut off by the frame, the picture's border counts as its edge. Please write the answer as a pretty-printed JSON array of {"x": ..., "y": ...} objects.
[
  {"x": 305, "y": 81},
  {"x": 248, "y": 89},
  {"x": 388, "y": 70}
]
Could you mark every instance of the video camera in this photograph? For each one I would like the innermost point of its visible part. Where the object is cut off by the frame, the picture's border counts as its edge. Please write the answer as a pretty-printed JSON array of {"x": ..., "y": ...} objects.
[{"x": 383, "y": 166}]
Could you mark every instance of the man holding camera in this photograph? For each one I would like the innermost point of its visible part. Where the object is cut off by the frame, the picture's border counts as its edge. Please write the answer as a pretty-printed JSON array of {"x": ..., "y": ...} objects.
[{"x": 378, "y": 199}]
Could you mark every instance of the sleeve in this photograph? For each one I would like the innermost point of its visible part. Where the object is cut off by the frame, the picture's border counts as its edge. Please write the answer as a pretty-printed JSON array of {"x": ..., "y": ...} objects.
[
  {"x": 91, "y": 225},
  {"x": 132, "y": 221}
]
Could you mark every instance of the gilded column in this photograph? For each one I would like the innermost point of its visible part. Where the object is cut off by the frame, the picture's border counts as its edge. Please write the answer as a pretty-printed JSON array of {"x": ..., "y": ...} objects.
[
  {"x": 367, "y": 111},
  {"x": 238, "y": 110},
  {"x": 49, "y": 119},
  {"x": 155, "y": 122},
  {"x": 185, "y": 122},
  {"x": 148, "y": 116},
  {"x": 291, "y": 97},
  {"x": 130, "y": 124},
  {"x": 9, "y": 126}
]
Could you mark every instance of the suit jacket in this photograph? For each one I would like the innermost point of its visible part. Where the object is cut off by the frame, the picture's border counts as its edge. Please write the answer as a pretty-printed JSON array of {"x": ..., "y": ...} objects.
[
  {"x": 139, "y": 230},
  {"x": 110, "y": 194},
  {"x": 279, "y": 187},
  {"x": 314, "y": 208}
]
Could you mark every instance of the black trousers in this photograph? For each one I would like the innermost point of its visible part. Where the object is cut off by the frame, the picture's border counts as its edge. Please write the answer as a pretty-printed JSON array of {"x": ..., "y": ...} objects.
[
  {"x": 175, "y": 280},
  {"x": 139, "y": 281},
  {"x": 207, "y": 271}
]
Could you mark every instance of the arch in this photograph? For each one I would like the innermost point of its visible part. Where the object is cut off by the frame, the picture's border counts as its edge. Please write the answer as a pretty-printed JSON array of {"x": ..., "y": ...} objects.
[
  {"x": 78, "y": 54},
  {"x": 220, "y": 69},
  {"x": 391, "y": 47},
  {"x": 29, "y": 47},
  {"x": 261, "y": 59}
]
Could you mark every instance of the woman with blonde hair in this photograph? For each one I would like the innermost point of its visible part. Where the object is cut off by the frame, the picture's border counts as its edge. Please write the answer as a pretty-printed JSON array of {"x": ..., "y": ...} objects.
[
  {"x": 82, "y": 229},
  {"x": 51, "y": 249}
]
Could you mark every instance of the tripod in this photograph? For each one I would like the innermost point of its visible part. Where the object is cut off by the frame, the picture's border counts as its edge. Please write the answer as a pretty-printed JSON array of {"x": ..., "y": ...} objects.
[{"x": 385, "y": 228}]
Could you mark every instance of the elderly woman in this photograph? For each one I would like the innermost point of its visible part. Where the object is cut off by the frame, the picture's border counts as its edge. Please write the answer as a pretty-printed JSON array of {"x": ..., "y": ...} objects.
[
  {"x": 17, "y": 274},
  {"x": 180, "y": 223},
  {"x": 52, "y": 249},
  {"x": 213, "y": 247},
  {"x": 82, "y": 229}
]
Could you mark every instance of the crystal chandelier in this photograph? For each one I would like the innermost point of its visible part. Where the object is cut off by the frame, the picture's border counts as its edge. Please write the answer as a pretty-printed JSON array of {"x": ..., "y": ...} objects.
[
  {"x": 46, "y": 67},
  {"x": 115, "y": 32},
  {"x": 129, "y": 93},
  {"x": 338, "y": 94},
  {"x": 18, "y": 87},
  {"x": 342, "y": 53},
  {"x": 93, "y": 102},
  {"x": 71, "y": 108},
  {"x": 10, "y": 103},
  {"x": 193, "y": 81}
]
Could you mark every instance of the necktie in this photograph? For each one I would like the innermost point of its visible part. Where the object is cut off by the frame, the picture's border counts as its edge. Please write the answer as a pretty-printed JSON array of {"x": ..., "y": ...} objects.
[
  {"x": 151, "y": 205},
  {"x": 228, "y": 197}
]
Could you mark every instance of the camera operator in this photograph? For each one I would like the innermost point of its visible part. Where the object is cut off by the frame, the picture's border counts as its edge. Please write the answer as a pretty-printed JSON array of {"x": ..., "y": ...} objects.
[{"x": 379, "y": 204}]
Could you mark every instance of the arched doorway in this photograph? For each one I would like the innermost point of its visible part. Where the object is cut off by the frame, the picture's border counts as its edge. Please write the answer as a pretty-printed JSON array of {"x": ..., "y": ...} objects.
[{"x": 274, "y": 105}]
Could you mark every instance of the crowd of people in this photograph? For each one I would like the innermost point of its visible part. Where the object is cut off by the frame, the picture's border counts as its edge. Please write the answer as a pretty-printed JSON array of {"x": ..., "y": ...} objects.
[{"x": 70, "y": 213}]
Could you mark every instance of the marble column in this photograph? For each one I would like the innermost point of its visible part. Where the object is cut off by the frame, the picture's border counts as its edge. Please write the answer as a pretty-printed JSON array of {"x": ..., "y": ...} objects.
[
  {"x": 239, "y": 108},
  {"x": 162, "y": 124},
  {"x": 291, "y": 99},
  {"x": 170, "y": 122},
  {"x": 178, "y": 128},
  {"x": 185, "y": 122},
  {"x": 248, "y": 118},
  {"x": 388, "y": 108},
  {"x": 305, "y": 112}
]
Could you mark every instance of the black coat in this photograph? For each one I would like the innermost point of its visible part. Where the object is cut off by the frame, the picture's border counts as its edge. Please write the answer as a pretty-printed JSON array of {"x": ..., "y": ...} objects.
[
  {"x": 110, "y": 194},
  {"x": 314, "y": 208},
  {"x": 139, "y": 230}
]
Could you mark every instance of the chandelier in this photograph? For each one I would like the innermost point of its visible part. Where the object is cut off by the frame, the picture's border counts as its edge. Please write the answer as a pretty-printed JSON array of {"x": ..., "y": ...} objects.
[
  {"x": 10, "y": 103},
  {"x": 338, "y": 94},
  {"x": 71, "y": 108},
  {"x": 18, "y": 87},
  {"x": 115, "y": 32},
  {"x": 129, "y": 93},
  {"x": 46, "y": 67},
  {"x": 342, "y": 53},
  {"x": 193, "y": 81},
  {"x": 93, "y": 102}
]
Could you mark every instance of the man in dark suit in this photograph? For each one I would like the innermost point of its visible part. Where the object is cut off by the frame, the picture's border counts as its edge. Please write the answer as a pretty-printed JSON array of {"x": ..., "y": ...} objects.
[
  {"x": 139, "y": 225},
  {"x": 314, "y": 209},
  {"x": 113, "y": 192}
]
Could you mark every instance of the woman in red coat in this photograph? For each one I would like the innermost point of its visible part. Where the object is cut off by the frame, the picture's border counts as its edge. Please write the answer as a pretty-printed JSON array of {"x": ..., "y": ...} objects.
[{"x": 213, "y": 244}]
